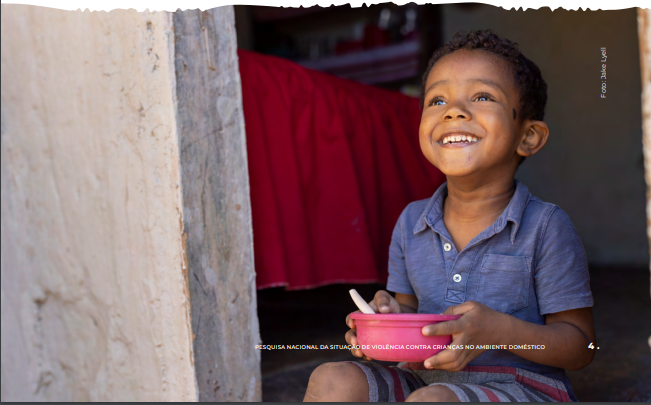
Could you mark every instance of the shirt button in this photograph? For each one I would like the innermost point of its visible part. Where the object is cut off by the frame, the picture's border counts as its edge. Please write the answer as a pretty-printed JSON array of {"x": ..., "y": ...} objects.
[
  {"x": 447, "y": 247},
  {"x": 456, "y": 278}
]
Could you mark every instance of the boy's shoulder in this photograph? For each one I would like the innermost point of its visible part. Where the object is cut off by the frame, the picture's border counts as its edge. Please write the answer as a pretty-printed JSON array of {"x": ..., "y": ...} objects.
[
  {"x": 415, "y": 210},
  {"x": 537, "y": 206},
  {"x": 417, "y": 207},
  {"x": 411, "y": 215},
  {"x": 546, "y": 225},
  {"x": 540, "y": 203},
  {"x": 546, "y": 212}
]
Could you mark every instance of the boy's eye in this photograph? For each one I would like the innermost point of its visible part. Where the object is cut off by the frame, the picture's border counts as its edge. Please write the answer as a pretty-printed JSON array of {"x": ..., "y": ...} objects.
[
  {"x": 483, "y": 97},
  {"x": 437, "y": 101}
]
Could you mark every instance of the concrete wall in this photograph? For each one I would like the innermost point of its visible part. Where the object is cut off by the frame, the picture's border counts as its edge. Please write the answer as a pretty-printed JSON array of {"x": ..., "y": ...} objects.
[
  {"x": 94, "y": 301},
  {"x": 592, "y": 166}
]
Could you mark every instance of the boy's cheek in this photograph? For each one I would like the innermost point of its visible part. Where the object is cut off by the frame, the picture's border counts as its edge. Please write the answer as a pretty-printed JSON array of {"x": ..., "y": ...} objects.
[
  {"x": 425, "y": 133},
  {"x": 427, "y": 124},
  {"x": 426, "y": 146}
]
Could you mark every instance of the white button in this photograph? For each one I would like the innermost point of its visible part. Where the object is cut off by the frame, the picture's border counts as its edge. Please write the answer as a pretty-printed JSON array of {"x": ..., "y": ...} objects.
[
  {"x": 456, "y": 278},
  {"x": 447, "y": 247}
]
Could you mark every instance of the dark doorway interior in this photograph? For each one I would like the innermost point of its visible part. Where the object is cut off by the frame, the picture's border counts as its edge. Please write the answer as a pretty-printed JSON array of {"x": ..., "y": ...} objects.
[{"x": 384, "y": 45}]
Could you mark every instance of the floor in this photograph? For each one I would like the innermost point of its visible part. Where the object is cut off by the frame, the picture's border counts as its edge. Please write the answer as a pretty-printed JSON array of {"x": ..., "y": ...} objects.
[{"x": 621, "y": 370}]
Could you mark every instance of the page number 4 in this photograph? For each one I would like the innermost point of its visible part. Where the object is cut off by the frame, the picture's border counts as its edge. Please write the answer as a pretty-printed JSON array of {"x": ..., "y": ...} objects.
[{"x": 591, "y": 346}]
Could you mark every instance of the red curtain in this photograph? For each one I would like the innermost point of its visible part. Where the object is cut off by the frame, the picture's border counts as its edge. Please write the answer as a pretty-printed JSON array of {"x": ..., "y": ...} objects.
[{"x": 332, "y": 163}]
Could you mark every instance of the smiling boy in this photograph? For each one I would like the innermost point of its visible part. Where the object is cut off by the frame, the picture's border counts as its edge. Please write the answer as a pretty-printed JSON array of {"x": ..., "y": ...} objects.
[{"x": 481, "y": 247}]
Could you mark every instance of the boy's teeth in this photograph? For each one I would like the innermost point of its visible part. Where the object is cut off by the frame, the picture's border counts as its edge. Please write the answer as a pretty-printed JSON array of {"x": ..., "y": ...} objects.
[{"x": 459, "y": 138}]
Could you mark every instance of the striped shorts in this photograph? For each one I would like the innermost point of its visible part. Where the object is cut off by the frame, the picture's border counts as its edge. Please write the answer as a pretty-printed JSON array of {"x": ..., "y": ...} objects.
[{"x": 472, "y": 384}]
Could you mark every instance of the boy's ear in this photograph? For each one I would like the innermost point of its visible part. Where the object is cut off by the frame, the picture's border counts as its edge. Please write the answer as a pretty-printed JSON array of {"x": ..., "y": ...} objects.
[{"x": 534, "y": 137}]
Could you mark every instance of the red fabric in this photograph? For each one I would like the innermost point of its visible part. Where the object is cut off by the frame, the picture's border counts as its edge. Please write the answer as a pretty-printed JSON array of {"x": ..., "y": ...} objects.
[{"x": 332, "y": 163}]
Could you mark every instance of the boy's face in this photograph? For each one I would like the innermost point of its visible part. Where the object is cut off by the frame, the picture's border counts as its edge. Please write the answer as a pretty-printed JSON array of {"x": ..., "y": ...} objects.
[{"x": 471, "y": 94}]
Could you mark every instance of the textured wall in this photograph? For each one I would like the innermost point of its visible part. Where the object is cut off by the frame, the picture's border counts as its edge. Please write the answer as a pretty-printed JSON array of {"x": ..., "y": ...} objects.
[
  {"x": 94, "y": 301},
  {"x": 592, "y": 166}
]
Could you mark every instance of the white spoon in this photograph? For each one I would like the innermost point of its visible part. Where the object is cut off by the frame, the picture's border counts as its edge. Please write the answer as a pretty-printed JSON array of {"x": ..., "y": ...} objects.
[{"x": 361, "y": 304}]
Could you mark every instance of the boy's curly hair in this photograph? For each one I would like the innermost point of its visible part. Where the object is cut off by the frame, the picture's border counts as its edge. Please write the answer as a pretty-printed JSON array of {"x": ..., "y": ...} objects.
[{"x": 533, "y": 89}]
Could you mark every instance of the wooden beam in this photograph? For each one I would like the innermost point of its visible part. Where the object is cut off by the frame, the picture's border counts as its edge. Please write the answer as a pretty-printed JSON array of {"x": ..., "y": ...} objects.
[{"x": 216, "y": 206}]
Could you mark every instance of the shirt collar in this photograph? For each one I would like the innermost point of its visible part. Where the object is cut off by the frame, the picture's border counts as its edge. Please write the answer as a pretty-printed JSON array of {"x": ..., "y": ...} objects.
[{"x": 512, "y": 213}]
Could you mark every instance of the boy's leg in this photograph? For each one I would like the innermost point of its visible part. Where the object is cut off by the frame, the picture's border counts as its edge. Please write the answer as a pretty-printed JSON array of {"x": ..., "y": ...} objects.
[
  {"x": 337, "y": 382},
  {"x": 433, "y": 393}
]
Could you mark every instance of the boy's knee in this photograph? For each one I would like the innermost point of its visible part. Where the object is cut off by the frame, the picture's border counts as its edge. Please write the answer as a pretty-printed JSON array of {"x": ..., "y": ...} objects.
[
  {"x": 335, "y": 382},
  {"x": 433, "y": 393},
  {"x": 332, "y": 373}
]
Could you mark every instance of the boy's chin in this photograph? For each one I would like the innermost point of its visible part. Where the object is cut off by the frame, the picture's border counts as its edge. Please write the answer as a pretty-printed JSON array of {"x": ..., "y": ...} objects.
[
  {"x": 462, "y": 166},
  {"x": 458, "y": 170},
  {"x": 458, "y": 173}
]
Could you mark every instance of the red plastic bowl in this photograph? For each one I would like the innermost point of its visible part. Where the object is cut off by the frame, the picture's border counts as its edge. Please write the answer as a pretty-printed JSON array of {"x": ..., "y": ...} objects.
[{"x": 399, "y": 337}]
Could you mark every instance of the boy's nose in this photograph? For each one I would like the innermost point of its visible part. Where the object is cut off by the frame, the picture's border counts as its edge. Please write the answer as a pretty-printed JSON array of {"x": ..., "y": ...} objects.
[
  {"x": 452, "y": 116},
  {"x": 456, "y": 111},
  {"x": 458, "y": 115}
]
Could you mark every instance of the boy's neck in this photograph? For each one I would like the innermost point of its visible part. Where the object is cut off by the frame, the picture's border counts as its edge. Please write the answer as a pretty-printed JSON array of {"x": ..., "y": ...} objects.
[{"x": 469, "y": 201}]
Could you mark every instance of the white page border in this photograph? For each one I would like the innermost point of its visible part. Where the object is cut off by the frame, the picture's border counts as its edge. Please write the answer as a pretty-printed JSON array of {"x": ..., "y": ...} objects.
[{"x": 170, "y": 5}]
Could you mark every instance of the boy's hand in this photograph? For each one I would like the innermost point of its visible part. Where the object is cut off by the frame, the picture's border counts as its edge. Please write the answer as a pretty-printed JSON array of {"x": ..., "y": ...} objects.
[
  {"x": 478, "y": 325},
  {"x": 383, "y": 303}
]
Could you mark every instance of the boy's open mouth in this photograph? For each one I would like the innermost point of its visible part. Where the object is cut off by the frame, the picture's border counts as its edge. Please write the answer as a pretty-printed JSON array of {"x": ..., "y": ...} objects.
[
  {"x": 459, "y": 139},
  {"x": 456, "y": 139}
]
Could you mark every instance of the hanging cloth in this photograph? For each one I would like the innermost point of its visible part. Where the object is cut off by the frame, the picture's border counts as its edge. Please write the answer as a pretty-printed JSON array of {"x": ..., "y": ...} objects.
[{"x": 332, "y": 164}]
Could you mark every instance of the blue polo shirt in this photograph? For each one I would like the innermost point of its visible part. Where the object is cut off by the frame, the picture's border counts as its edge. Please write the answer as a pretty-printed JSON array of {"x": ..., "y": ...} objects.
[{"x": 529, "y": 263}]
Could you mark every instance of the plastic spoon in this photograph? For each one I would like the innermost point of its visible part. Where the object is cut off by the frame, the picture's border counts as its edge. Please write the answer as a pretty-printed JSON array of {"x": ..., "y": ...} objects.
[{"x": 361, "y": 304}]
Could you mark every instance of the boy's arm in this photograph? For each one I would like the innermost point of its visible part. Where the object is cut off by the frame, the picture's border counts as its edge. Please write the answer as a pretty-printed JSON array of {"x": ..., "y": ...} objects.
[
  {"x": 408, "y": 303},
  {"x": 566, "y": 336}
]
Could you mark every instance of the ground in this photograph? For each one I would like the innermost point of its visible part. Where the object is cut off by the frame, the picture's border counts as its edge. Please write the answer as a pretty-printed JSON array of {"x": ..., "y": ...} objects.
[{"x": 622, "y": 317}]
